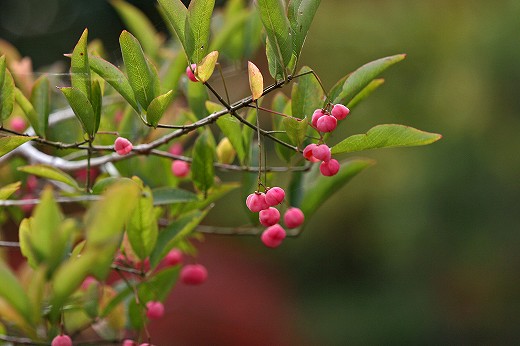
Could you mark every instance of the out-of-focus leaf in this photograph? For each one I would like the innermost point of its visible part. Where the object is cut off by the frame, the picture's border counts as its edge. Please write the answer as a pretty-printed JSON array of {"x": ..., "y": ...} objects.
[
  {"x": 174, "y": 72},
  {"x": 385, "y": 136},
  {"x": 157, "y": 108},
  {"x": 49, "y": 172},
  {"x": 82, "y": 109},
  {"x": 296, "y": 129},
  {"x": 282, "y": 105},
  {"x": 115, "y": 78},
  {"x": 79, "y": 66},
  {"x": 360, "y": 78},
  {"x": 2, "y": 70},
  {"x": 12, "y": 291},
  {"x": 306, "y": 94},
  {"x": 41, "y": 100},
  {"x": 159, "y": 286},
  {"x": 7, "y": 190},
  {"x": 197, "y": 97},
  {"x": 101, "y": 185},
  {"x": 7, "y": 92},
  {"x": 256, "y": 81},
  {"x": 139, "y": 24},
  {"x": 205, "y": 68},
  {"x": 216, "y": 192},
  {"x": 97, "y": 102},
  {"x": 300, "y": 14},
  {"x": 231, "y": 128},
  {"x": 225, "y": 151},
  {"x": 202, "y": 170},
  {"x": 29, "y": 112},
  {"x": 197, "y": 29},
  {"x": 176, "y": 14},
  {"x": 10, "y": 143},
  {"x": 142, "y": 227},
  {"x": 232, "y": 26},
  {"x": 248, "y": 133},
  {"x": 169, "y": 195},
  {"x": 323, "y": 187}
]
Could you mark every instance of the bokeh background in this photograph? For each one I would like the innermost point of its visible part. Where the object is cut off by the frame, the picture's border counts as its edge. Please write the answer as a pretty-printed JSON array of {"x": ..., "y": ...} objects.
[{"x": 424, "y": 247}]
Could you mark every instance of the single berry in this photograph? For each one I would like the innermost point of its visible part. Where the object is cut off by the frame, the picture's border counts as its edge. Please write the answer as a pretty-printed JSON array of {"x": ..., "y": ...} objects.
[
  {"x": 274, "y": 196},
  {"x": 128, "y": 342},
  {"x": 273, "y": 236},
  {"x": 31, "y": 183},
  {"x": 318, "y": 113},
  {"x": 293, "y": 217},
  {"x": 339, "y": 111},
  {"x": 17, "y": 124},
  {"x": 189, "y": 73},
  {"x": 321, "y": 152},
  {"x": 61, "y": 340},
  {"x": 89, "y": 280},
  {"x": 176, "y": 149},
  {"x": 173, "y": 258},
  {"x": 329, "y": 168},
  {"x": 326, "y": 123},
  {"x": 122, "y": 146},
  {"x": 256, "y": 202},
  {"x": 154, "y": 310},
  {"x": 180, "y": 168},
  {"x": 269, "y": 217},
  {"x": 307, "y": 153},
  {"x": 194, "y": 274}
]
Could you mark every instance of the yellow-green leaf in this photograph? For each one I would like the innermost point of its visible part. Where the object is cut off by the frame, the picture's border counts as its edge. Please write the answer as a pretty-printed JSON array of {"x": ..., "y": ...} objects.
[
  {"x": 205, "y": 68},
  {"x": 157, "y": 108},
  {"x": 8, "y": 144},
  {"x": 203, "y": 172},
  {"x": 256, "y": 80},
  {"x": 49, "y": 172},
  {"x": 7, "y": 190},
  {"x": 29, "y": 112},
  {"x": 79, "y": 66},
  {"x": 12, "y": 291},
  {"x": 7, "y": 91},
  {"x": 82, "y": 109},
  {"x": 141, "y": 228},
  {"x": 41, "y": 100}
]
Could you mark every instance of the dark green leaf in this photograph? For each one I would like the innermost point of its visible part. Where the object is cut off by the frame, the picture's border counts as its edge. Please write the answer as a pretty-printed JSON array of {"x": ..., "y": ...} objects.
[
  {"x": 176, "y": 14},
  {"x": 307, "y": 94},
  {"x": 79, "y": 66},
  {"x": 300, "y": 14},
  {"x": 41, "y": 100},
  {"x": 385, "y": 136},
  {"x": 49, "y": 172},
  {"x": 296, "y": 129},
  {"x": 142, "y": 227},
  {"x": 82, "y": 109},
  {"x": 97, "y": 102},
  {"x": 29, "y": 112},
  {"x": 202, "y": 170},
  {"x": 8, "y": 144},
  {"x": 197, "y": 28},
  {"x": 13, "y": 293},
  {"x": 7, "y": 93},
  {"x": 171, "y": 195},
  {"x": 157, "y": 108}
]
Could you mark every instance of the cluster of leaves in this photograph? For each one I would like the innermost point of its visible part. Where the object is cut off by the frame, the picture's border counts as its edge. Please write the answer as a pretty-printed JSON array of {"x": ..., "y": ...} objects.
[{"x": 136, "y": 101}]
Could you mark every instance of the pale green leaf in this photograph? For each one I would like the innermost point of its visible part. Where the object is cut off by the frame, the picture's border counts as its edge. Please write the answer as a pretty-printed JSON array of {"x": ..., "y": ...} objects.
[
  {"x": 49, "y": 172},
  {"x": 157, "y": 108},
  {"x": 197, "y": 95},
  {"x": 9, "y": 143},
  {"x": 7, "y": 93},
  {"x": 230, "y": 127},
  {"x": 7, "y": 190},
  {"x": 2, "y": 70},
  {"x": 12, "y": 291},
  {"x": 82, "y": 109},
  {"x": 29, "y": 112},
  {"x": 256, "y": 81},
  {"x": 142, "y": 227},
  {"x": 79, "y": 66}
]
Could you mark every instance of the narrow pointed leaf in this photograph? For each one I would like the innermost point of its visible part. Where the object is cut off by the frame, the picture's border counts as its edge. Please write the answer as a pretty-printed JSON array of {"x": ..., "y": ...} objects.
[
  {"x": 277, "y": 27},
  {"x": 9, "y": 143},
  {"x": 256, "y": 80},
  {"x": 169, "y": 195},
  {"x": 29, "y": 112},
  {"x": 202, "y": 170},
  {"x": 300, "y": 14},
  {"x": 157, "y": 108},
  {"x": 197, "y": 29},
  {"x": 82, "y": 109},
  {"x": 79, "y": 66},
  {"x": 12, "y": 291},
  {"x": 276, "y": 70},
  {"x": 385, "y": 136},
  {"x": 7, "y": 92},
  {"x": 142, "y": 227},
  {"x": 360, "y": 78},
  {"x": 97, "y": 103},
  {"x": 296, "y": 129},
  {"x": 113, "y": 76},
  {"x": 363, "y": 94},
  {"x": 7, "y": 190},
  {"x": 49, "y": 172},
  {"x": 176, "y": 14},
  {"x": 205, "y": 68},
  {"x": 41, "y": 100},
  {"x": 307, "y": 94}
]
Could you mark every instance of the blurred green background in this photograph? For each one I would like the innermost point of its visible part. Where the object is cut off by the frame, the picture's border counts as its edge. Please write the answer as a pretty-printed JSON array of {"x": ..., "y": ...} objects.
[{"x": 424, "y": 247}]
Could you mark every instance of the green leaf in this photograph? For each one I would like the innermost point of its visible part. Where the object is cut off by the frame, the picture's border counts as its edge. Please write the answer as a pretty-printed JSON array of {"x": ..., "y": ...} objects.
[
  {"x": 115, "y": 78},
  {"x": 248, "y": 133},
  {"x": 7, "y": 190},
  {"x": 157, "y": 108},
  {"x": 29, "y": 112},
  {"x": 97, "y": 103},
  {"x": 2, "y": 70},
  {"x": 158, "y": 287},
  {"x": 324, "y": 187},
  {"x": 41, "y": 100},
  {"x": 7, "y": 93},
  {"x": 230, "y": 127},
  {"x": 256, "y": 81},
  {"x": 176, "y": 69},
  {"x": 140, "y": 76},
  {"x": 385, "y": 136},
  {"x": 12, "y": 291},
  {"x": 300, "y": 14},
  {"x": 276, "y": 70},
  {"x": 82, "y": 109},
  {"x": 197, "y": 28},
  {"x": 202, "y": 170},
  {"x": 9, "y": 143},
  {"x": 171, "y": 195},
  {"x": 79, "y": 67},
  {"x": 360, "y": 78},
  {"x": 214, "y": 194},
  {"x": 306, "y": 94},
  {"x": 176, "y": 14},
  {"x": 142, "y": 226},
  {"x": 205, "y": 68},
  {"x": 296, "y": 129},
  {"x": 282, "y": 105},
  {"x": 197, "y": 96},
  {"x": 363, "y": 94},
  {"x": 102, "y": 184},
  {"x": 233, "y": 25},
  {"x": 49, "y": 172},
  {"x": 140, "y": 25}
]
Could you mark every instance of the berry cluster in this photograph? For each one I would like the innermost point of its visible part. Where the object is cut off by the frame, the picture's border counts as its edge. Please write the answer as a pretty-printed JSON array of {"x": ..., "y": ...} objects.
[{"x": 269, "y": 216}]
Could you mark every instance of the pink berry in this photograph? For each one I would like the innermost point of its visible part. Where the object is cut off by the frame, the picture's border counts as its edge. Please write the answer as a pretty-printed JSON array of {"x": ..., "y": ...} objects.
[
  {"x": 293, "y": 217},
  {"x": 273, "y": 236},
  {"x": 256, "y": 202},
  {"x": 154, "y": 310},
  {"x": 321, "y": 152},
  {"x": 176, "y": 149},
  {"x": 274, "y": 196},
  {"x": 89, "y": 280},
  {"x": 128, "y": 342},
  {"x": 318, "y": 113},
  {"x": 122, "y": 146},
  {"x": 27, "y": 208},
  {"x": 339, "y": 111},
  {"x": 307, "y": 153},
  {"x": 18, "y": 124},
  {"x": 269, "y": 217},
  {"x": 31, "y": 183},
  {"x": 329, "y": 168},
  {"x": 173, "y": 258},
  {"x": 189, "y": 73},
  {"x": 326, "y": 123},
  {"x": 194, "y": 274},
  {"x": 180, "y": 168},
  {"x": 61, "y": 340}
]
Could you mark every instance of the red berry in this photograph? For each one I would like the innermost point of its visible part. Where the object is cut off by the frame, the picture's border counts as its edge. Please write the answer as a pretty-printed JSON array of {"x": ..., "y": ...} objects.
[
  {"x": 122, "y": 146},
  {"x": 329, "y": 168},
  {"x": 339, "y": 111},
  {"x": 318, "y": 113},
  {"x": 194, "y": 274},
  {"x": 173, "y": 258},
  {"x": 128, "y": 342},
  {"x": 256, "y": 202},
  {"x": 61, "y": 340},
  {"x": 321, "y": 152},
  {"x": 293, "y": 217},
  {"x": 189, "y": 73},
  {"x": 180, "y": 168},
  {"x": 326, "y": 123},
  {"x": 274, "y": 196},
  {"x": 273, "y": 236},
  {"x": 17, "y": 124},
  {"x": 269, "y": 217},
  {"x": 154, "y": 310}
]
